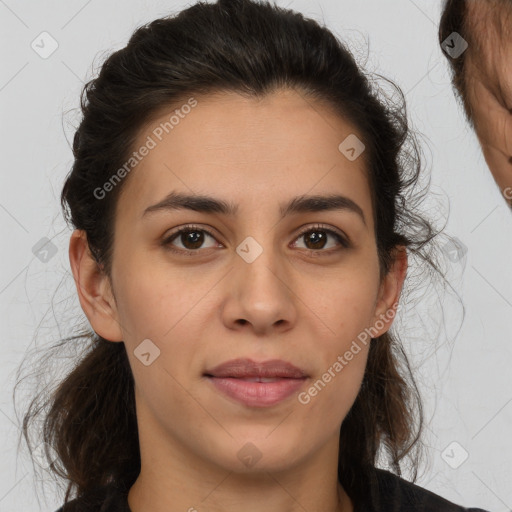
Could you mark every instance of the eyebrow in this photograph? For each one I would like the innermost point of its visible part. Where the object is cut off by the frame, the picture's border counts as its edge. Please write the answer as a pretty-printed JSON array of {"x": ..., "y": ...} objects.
[{"x": 299, "y": 204}]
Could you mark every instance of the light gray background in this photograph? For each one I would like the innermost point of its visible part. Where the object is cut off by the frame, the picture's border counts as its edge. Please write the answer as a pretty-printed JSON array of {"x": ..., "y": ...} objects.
[{"x": 465, "y": 378}]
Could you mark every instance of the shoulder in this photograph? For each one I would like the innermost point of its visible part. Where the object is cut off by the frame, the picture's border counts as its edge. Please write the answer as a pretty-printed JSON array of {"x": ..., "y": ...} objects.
[
  {"x": 391, "y": 493},
  {"x": 107, "y": 498}
]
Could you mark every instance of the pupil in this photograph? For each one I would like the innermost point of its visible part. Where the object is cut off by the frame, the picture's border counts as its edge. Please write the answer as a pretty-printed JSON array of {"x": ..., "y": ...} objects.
[
  {"x": 320, "y": 237},
  {"x": 193, "y": 237}
]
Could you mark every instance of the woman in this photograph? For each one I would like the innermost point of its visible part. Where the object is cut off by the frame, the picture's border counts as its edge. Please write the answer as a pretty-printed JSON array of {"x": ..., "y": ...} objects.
[{"x": 243, "y": 219}]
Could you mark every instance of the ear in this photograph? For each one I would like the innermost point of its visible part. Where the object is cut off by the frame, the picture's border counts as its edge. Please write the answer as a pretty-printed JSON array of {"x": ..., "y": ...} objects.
[
  {"x": 389, "y": 293},
  {"x": 94, "y": 290}
]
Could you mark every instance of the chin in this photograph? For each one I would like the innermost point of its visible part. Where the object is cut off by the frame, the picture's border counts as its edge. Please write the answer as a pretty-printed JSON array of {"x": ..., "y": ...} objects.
[{"x": 253, "y": 455}]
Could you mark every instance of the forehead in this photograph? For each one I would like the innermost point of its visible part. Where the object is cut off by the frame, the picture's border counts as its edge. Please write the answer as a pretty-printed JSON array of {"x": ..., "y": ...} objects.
[{"x": 279, "y": 145}]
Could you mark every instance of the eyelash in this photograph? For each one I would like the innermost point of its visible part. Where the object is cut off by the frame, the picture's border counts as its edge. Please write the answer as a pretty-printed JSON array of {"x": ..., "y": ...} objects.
[{"x": 191, "y": 228}]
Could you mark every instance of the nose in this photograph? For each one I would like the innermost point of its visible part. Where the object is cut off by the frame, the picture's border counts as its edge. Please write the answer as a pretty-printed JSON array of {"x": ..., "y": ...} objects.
[{"x": 260, "y": 292}]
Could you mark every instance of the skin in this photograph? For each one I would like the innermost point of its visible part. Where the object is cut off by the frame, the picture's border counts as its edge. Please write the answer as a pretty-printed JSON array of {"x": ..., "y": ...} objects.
[
  {"x": 295, "y": 305},
  {"x": 489, "y": 94}
]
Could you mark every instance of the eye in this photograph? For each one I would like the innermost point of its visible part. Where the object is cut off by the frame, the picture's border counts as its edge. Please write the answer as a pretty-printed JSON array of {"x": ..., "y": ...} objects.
[
  {"x": 191, "y": 237},
  {"x": 316, "y": 238}
]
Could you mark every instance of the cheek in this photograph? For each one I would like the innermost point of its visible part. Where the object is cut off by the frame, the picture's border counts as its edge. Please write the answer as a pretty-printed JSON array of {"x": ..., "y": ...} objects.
[
  {"x": 331, "y": 394},
  {"x": 347, "y": 301},
  {"x": 342, "y": 319},
  {"x": 155, "y": 297}
]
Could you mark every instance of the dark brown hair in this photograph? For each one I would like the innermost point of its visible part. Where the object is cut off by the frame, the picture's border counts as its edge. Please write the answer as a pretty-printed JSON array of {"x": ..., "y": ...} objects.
[
  {"x": 495, "y": 18},
  {"x": 252, "y": 48},
  {"x": 452, "y": 20}
]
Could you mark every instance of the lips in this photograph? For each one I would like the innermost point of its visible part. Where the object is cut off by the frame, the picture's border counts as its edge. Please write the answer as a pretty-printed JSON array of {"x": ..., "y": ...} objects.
[
  {"x": 257, "y": 384},
  {"x": 249, "y": 369}
]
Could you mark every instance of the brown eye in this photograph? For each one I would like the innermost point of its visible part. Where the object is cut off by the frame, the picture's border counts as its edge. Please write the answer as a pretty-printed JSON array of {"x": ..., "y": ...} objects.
[
  {"x": 195, "y": 237},
  {"x": 190, "y": 237},
  {"x": 316, "y": 238}
]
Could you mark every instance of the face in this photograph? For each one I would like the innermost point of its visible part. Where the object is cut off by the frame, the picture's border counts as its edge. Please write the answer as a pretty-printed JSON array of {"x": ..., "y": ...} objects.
[
  {"x": 257, "y": 285},
  {"x": 489, "y": 92}
]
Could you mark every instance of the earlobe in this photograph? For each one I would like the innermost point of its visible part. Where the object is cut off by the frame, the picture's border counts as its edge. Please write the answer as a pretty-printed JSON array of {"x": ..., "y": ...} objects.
[
  {"x": 389, "y": 291},
  {"x": 93, "y": 288}
]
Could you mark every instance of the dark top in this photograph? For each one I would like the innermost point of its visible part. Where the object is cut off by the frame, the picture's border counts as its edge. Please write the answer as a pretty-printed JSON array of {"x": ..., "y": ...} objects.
[{"x": 391, "y": 494}]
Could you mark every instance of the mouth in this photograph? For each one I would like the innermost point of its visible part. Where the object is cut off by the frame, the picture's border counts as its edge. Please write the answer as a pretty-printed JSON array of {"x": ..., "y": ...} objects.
[
  {"x": 248, "y": 369},
  {"x": 251, "y": 379},
  {"x": 257, "y": 391},
  {"x": 255, "y": 384}
]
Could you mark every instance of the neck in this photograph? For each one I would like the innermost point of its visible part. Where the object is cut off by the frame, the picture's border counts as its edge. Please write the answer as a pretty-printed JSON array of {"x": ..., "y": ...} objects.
[{"x": 264, "y": 494}]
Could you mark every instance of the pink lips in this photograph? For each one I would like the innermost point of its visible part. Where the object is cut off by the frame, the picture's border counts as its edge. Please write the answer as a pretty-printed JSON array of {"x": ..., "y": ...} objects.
[{"x": 257, "y": 384}]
